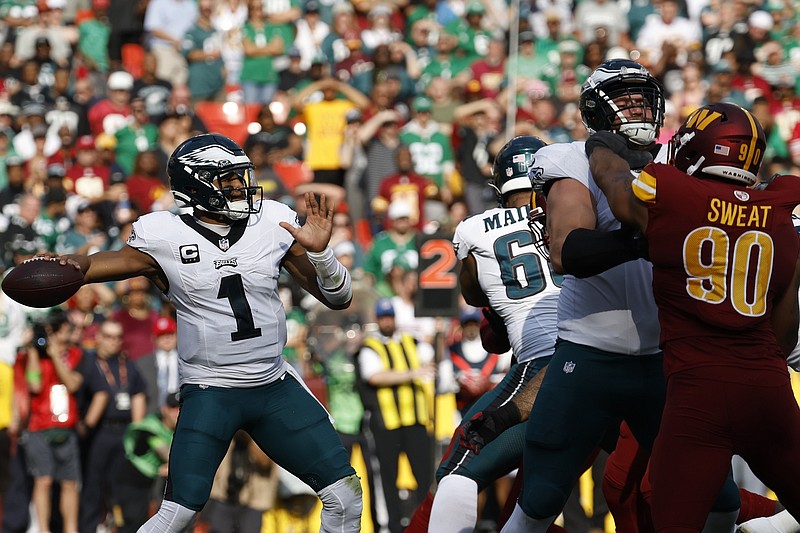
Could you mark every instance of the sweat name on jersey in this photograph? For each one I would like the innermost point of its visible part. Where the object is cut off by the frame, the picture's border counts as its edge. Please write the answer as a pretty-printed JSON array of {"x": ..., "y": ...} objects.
[
  {"x": 510, "y": 216},
  {"x": 738, "y": 215}
]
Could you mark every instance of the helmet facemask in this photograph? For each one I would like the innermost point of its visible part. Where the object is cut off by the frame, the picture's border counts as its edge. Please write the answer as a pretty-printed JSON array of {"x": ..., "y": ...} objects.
[
  {"x": 622, "y": 96},
  {"x": 222, "y": 194},
  {"x": 631, "y": 112}
]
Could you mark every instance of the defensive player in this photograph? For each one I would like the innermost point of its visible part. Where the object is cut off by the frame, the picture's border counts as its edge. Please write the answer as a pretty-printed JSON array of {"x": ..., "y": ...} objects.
[
  {"x": 219, "y": 265},
  {"x": 725, "y": 278},
  {"x": 607, "y": 364},
  {"x": 501, "y": 267}
]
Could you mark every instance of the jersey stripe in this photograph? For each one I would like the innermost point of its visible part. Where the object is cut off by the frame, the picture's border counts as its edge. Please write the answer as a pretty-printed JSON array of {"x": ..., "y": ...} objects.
[{"x": 644, "y": 187}]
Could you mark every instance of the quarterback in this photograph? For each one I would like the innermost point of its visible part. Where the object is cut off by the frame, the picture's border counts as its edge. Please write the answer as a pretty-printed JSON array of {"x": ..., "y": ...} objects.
[{"x": 219, "y": 265}]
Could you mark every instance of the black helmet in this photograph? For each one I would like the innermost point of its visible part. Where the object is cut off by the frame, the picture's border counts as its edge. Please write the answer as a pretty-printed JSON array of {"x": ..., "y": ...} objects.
[
  {"x": 618, "y": 85},
  {"x": 195, "y": 169},
  {"x": 510, "y": 170}
]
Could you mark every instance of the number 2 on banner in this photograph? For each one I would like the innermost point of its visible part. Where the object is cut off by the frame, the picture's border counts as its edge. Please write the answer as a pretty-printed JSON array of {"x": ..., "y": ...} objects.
[{"x": 439, "y": 274}]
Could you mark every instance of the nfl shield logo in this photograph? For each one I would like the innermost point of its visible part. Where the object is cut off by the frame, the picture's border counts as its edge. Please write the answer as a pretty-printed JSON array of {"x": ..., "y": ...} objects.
[
  {"x": 569, "y": 366},
  {"x": 224, "y": 244}
]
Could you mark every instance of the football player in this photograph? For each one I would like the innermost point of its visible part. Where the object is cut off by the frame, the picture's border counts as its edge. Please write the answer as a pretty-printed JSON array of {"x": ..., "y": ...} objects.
[
  {"x": 219, "y": 264},
  {"x": 501, "y": 267},
  {"x": 607, "y": 363},
  {"x": 725, "y": 277}
]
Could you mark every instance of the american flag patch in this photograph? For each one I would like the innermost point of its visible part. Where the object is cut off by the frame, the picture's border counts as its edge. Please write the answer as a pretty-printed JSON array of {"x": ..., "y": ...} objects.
[
  {"x": 721, "y": 150},
  {"x": 518, "y": 158}
]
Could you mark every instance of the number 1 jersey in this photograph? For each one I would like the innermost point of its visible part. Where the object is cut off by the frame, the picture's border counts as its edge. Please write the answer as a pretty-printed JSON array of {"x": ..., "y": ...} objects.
[{"x": 231, "y": 323}]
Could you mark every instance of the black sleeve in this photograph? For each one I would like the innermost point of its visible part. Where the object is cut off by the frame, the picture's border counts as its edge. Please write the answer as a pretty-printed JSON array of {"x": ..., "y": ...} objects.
[{"x": 587, "y": 252}]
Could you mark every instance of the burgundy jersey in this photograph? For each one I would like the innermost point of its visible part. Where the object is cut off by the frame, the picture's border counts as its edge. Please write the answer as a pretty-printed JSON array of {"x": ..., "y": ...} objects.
[{"x": 721, "y": 253}]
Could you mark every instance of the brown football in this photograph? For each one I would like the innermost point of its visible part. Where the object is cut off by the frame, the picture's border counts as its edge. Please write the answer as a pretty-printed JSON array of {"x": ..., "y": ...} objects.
[{"x": 42, "y": 282}]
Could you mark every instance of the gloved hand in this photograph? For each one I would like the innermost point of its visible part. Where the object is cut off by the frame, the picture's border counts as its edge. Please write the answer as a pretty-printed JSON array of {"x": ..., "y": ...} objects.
[
  {"x": 485, "y": 426},
  {"x": 619, "y": 145},
  {"x": 494, "y": 335}
]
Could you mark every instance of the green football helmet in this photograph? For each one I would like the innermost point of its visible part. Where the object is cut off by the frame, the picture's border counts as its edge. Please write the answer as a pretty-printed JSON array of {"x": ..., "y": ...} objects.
[{"x": 510, "y": 171}]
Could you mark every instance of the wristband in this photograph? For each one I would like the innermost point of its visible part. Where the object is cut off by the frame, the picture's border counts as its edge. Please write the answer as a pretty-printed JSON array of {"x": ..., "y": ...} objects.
[
  {"x": 33, "y": 376},
  {"x": 333, "y": 278}
]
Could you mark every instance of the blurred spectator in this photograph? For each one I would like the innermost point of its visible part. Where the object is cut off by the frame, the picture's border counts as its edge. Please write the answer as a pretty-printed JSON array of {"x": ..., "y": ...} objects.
[
  {"x": 34, "y": 123},
  {"x": 106, "y": 145},
  {"x": 86, "y": 235},
  {"x": 530, "y": 65},
  {"x": 379, "y": 30},
  {"x": 404, "y": 282},
  {"x": 405, "y": 186},
  {"x": 668, "y": 28},
  {"x": 473, "y": 37},
  {"x": 279, "y": 140},
  {"x": 50, "y": 442},
  {"x": 137, "y": 136},
  {"x": 145, "y": 186},
  {"x": 13, "y": 332},
  {"x": 127, "y": 27},
  {"x": 15, "y": 185},
  {"x": 774, "y": 68},
  {"x": 567, "y": 80},
  {"x": 344, "y": 26},
  {"x": 294, "y": 75},
  {"x": 48, "y": 25},
  {"x": 227, "y": 19},
  {"x": 152, "y": 90},
  {"x": 88, "y": 177},
  {"x": 53, "y": 220},
  {"x": 476, "y": 370},
  {"x": 262, "y": 41},
  {"x": 20, "y": 230},
  {"x": 136, "y": 316},
  {"x": 309, "y": 34},
  {"x": 269, "y": 181},
  {"x": 449, "y": 61},
  {"x": 147, "y": 445},
  {"x": 393, "y": 364},
  {"x": 111, "y": 114},
  {"x": 94, "y": 39},
  {"x": 431, "y": 151},
  {"x": 380, "y": 136},
  {"x": 325, "y": 120},
  {"x": 86, "y": 311},
  {"x": 490, "y": 70},
  {"x": 118, "y": 398},
  {"x": 354, "y": 162},
  {"x": 159, "y": 369},
  {"x": 396, "y": 241},
  {"x": 166, "y": 22},
  {"x": 472, "y": 158},
  {"x": 202, "y": 47},
  {"x": 245, "y": 487},
  {"x": 602, "y": 18},
  {"x": 747, "y": 81},
  {"x": 720, "y": 88}
]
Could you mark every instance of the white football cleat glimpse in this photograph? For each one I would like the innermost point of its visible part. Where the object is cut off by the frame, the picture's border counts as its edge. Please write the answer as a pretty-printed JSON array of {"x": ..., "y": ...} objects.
[{"x": 782, "y": 522}]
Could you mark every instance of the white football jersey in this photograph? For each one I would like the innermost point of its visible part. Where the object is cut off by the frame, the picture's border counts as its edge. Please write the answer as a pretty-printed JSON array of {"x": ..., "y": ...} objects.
[
  {"x": 514, "y": 276},
  {"x": 231, "y": 323},
  {"x": 615, "y": 310}
]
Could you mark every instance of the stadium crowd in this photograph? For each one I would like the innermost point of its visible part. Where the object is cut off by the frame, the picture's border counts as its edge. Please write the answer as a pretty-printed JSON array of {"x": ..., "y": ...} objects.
[{"x": 395, "y": 109}]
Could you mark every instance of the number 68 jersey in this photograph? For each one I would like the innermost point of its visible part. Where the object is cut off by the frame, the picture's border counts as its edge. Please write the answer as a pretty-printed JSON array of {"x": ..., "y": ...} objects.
[
  {"x": 231, "y": 323},
  {"x": 518, "y": 281}
]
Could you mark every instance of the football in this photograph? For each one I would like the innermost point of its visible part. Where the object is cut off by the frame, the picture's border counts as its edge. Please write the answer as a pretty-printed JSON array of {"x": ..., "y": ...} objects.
[{"x": 42, "y": 282}]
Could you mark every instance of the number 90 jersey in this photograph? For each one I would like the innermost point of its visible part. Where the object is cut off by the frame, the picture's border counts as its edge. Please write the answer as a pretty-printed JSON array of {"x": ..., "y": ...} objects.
[
  {"x": 518, "y": 281},
  {"x": 231, "y": 324}
]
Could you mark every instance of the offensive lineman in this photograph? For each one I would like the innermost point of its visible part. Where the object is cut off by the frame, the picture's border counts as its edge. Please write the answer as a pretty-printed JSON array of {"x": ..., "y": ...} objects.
[
  {"x": 501, "y": 267},
  {"x": 219, "y": 265}
]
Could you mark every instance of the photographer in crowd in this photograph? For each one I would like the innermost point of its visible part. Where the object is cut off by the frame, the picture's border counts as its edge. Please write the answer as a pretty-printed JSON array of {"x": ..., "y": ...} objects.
[{"x": 50, "y": 442}]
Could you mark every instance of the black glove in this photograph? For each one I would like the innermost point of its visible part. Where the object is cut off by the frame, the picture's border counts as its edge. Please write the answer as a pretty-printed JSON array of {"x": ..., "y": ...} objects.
[
  {"x": 638, "y": 241},
  {"x": 485, "y": 426},
  {"x": 619, "y": 145}
]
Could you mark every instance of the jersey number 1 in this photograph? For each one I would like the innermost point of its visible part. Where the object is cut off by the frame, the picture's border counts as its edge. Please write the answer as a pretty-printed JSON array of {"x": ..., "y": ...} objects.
[{"x": 231, "y": 287}]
